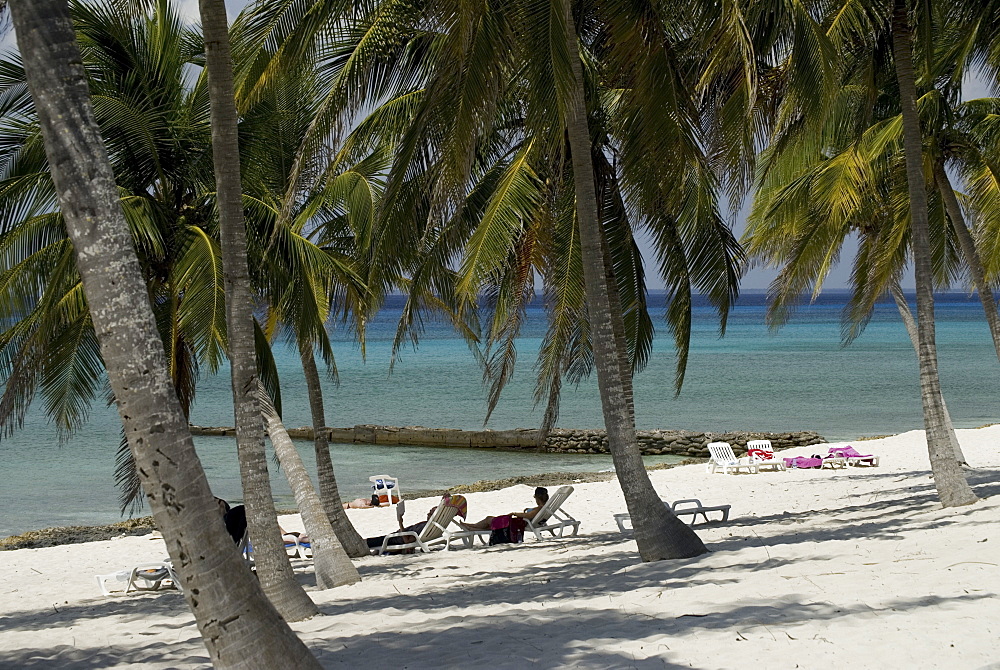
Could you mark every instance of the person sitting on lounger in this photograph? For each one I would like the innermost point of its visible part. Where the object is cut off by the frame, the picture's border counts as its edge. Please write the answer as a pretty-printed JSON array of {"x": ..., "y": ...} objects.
[
  {"x": 541, "y": 497},
  {"x": 235, "y": 519},
  {"x": 376, "y": 542}
]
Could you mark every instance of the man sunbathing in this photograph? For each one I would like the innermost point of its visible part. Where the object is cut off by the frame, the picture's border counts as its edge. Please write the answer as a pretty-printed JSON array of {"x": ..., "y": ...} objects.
[{"x": 541, "y": 497}]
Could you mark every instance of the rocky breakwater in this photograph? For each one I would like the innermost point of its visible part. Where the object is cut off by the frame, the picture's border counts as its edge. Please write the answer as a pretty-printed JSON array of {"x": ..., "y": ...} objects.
[
  {"x": 570, "y": 441},
  {"x": 675, "y": 442}
]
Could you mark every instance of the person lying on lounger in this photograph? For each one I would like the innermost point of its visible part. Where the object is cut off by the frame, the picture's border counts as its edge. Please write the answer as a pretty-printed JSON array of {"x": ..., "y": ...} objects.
[
  {"x": 362, "y": 503},
  {"x": 541, "y": 497}
]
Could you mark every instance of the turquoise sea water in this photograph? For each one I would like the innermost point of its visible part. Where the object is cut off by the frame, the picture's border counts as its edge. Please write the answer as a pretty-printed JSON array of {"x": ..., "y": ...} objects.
[{"x": 798, "y": 378}]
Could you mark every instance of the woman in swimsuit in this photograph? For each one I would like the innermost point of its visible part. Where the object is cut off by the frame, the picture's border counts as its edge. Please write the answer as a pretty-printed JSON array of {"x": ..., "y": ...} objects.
[{"x": 541, "y": 497}]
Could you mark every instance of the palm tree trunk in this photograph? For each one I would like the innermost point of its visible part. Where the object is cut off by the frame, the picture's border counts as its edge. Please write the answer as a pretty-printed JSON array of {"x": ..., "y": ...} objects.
[
  {"x": 972, "y": 258},
  {"x": 333, "y": 566},
  {"x": 273, "y": 568},
  {"x": 329, "y": 493},
  {"x": 951, "y": 485},
  {"x": 239, "y": 626},
  {"x": 911, "y": 330},
  {"x": 618, "y": 327},
  {"x": 658, "y": 533}
]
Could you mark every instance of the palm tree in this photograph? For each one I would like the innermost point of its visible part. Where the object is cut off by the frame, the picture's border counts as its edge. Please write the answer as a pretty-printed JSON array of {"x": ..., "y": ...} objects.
[
  {"x": 161, "y": 168},
  {"x": 298, "y": 280},
  {"x": 333, "y": 566},
  {"x": 951, "y": 484},
  {"x": 458, "y": 73},
  {"x": 273, "y": 568},
  {"x": 860, "y": 31},
  {"x": 806, "y": 208},
  {"x": 253, "y": 634}
]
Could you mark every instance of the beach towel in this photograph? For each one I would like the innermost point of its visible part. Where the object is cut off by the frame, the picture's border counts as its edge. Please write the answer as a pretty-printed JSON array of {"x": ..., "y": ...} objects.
[
  {"x": 458, "y": 502},
  {"x": 505, "y": 529},
  {"x": 803, "y": 462}
]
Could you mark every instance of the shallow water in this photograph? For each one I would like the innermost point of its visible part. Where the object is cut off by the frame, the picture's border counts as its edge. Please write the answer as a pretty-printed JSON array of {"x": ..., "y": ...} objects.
[{"x": 798, "y": 378}]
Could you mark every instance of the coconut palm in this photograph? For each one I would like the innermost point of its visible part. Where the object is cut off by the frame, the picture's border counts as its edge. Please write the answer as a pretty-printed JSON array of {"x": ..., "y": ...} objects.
[
  {"x": 951, "y": 484},
  {"x": 273, "y": 568},
  {"x": 161, "y": 167},
  {"x": 869, "y": 35},
  {"x": 254, "y": 634},
  {"x": 807, "y": 207},
  {"x": 464, "y": 70},
  {"x": 295, "y": 278},
  {"x": 333, "y": 566},
  {"x": 156, "y": 126}
]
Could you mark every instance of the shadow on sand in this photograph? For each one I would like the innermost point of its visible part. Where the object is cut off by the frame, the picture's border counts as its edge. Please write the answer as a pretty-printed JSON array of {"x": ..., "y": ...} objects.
[{"x": 590, "y": 638}]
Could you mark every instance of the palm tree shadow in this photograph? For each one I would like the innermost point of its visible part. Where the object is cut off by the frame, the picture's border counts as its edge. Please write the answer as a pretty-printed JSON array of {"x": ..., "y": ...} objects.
[{"x": 894, "y": 509}]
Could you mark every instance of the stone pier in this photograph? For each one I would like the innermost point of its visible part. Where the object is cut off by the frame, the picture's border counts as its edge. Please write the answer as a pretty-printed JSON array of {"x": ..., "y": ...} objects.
[{"x": 570, "y": 441}]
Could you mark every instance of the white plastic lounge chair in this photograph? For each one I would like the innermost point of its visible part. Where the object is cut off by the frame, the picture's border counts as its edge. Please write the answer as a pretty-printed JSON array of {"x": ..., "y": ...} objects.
[
  {"x": 762, "y": 453},
  {"x": 723, "y": 458},
  {"x": 853, "y": 458},
  {"x": 432, "y": 534},
  {"x": 246, "y": 549},
  {"x": 386, "y": 488},
  {"x": 297, "y": 548},
  {"x": 690, "y": 506},
  {"x": 146, "y": 577},
  {"x": 833, "y": 462},
  {"x": 467, "y": 536},
  {"x": 552, "y": 518}
]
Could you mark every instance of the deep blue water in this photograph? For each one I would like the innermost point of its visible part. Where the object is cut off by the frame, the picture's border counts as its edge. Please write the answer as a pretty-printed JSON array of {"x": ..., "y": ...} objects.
[{"x": 752, "y": 379}]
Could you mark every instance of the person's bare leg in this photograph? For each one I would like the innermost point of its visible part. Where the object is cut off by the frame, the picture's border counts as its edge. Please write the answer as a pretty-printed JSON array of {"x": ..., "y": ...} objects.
[{"x": 479, "y": 525}]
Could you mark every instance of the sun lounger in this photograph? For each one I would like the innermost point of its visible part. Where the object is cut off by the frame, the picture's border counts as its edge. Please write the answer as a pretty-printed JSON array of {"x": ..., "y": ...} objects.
[
  {"x": 852, "y": 456},
  {"x": 762, "y": 453},
  {"x": 296, "y": 547},
  {"x": 816, "y": 462},
  {"x": 432, "y": 534},
  {"x": 690, "y": 506},
  {"x": 552, "y": 518},
  {"x": 146, "y": 577},
  {"x": 386, "y": 489},
  {"x": 723, "y": 458}
]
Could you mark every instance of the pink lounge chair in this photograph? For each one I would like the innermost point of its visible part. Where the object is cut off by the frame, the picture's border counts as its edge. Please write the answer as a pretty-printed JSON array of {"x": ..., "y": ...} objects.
[{"x": 853, "y": 457}]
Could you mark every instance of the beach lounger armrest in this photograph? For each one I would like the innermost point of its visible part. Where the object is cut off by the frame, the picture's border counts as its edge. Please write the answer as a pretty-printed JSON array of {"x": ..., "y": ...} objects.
[{"x": 398, "y": 533}]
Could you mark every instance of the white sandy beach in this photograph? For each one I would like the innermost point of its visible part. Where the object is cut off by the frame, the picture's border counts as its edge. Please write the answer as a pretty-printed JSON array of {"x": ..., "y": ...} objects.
[{"x": 857, "y": 568}]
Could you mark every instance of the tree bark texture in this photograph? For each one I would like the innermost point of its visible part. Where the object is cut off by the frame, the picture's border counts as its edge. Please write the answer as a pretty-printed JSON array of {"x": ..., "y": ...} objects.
[
  {"x": 971, "y": 254},
  {"x": 273, "y": 567},
  {"x": 333, "y": 566},
  {"x": 329, "y": 493},
  {"x": 618, "y": 328},
  {"x": 911, "y": 329},
  {"x": 951, "y": 485},
  {"x": 658, "y": 532},
  {"x": 240, "y": 628}
]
